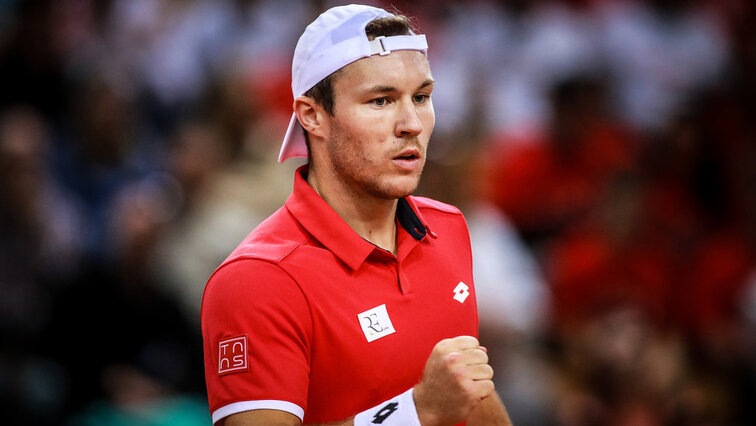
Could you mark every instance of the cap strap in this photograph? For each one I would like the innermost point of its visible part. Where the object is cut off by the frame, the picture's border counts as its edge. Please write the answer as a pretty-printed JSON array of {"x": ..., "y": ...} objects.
[{"x": 382, "y": 45}]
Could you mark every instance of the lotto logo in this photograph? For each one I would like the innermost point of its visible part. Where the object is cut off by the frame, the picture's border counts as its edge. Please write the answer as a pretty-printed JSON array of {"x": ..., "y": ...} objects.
[
  {"x": 461, "y": 291},
  {"x": 384, "y": 412},
  {"x": 232, "y": 355}
]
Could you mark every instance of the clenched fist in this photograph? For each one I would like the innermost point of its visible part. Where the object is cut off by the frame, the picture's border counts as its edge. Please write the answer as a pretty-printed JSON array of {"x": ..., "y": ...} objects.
[{"x": 455, "y": 379}]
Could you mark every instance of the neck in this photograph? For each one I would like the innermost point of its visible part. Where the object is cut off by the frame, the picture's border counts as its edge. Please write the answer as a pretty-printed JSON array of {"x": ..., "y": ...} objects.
[{"x": 373, "y": 219}]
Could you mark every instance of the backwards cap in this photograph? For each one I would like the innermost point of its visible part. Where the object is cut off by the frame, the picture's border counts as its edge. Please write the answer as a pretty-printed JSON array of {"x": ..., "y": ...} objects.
[{"x": 333, "y": 40}]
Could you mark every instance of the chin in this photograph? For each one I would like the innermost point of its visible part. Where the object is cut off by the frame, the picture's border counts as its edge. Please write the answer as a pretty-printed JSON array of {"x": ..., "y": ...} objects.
[{"x": 399, "y": 188}]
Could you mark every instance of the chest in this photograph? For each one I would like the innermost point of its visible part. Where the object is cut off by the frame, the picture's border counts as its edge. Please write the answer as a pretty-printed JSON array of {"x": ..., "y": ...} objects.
[{"x": 374, "y": 327}]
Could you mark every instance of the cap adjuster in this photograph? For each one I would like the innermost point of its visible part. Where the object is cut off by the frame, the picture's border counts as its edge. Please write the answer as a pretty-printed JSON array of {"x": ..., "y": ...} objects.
[{"x": 377, "y": 46}]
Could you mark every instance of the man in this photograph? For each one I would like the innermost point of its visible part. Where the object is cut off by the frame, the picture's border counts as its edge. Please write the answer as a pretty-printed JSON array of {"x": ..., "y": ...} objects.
[{"x": 354, "y": 303}]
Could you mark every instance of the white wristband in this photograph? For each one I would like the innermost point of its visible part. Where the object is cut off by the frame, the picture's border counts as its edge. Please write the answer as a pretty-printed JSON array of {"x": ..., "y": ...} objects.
[{"x": 397, "y": 411}]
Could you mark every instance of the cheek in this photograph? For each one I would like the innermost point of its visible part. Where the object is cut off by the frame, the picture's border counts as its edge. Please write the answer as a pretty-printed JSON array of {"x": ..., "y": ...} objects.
[
  {"x": 428, "y": 119},
  {"x": 351, "y": 144},
  {"x": 368, "y": 136}
]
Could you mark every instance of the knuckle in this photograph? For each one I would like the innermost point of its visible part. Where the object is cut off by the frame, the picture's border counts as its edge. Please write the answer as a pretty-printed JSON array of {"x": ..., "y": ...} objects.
[
  {"x": 477, "y": 357},
  {"x": 444, "y": 345},
  {"x": 451, "y": 359},
  {"x": 489, "y": 371},
  {"x": 470, "y": 340}
]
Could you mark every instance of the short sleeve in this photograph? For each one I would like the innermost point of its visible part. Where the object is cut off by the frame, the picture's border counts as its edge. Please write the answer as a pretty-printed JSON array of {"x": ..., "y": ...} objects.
[{"x": 256, "y": 329}]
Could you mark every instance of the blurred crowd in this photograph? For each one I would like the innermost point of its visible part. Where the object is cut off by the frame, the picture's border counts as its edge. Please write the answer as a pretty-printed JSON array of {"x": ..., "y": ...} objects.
[{"x": 603, "y": 152}]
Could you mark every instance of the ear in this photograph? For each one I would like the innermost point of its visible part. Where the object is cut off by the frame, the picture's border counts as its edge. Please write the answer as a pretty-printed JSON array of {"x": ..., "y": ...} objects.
[{"x": 311, "y": 116}]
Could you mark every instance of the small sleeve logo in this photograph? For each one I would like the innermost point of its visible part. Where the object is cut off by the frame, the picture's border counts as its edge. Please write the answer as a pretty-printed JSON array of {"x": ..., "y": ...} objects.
[{"x": 232, "y": 355}]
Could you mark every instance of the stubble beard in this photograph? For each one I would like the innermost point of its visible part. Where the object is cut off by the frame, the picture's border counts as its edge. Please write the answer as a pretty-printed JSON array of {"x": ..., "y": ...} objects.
[{"x": 353, "y": 169}]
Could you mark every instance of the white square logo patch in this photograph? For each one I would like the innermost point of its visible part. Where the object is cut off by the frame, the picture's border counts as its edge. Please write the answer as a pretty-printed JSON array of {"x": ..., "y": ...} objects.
[
  {"x": 376, "y": 323},
  {"x": 232, "y": 355},
  {"x": 461, "y": 291}
]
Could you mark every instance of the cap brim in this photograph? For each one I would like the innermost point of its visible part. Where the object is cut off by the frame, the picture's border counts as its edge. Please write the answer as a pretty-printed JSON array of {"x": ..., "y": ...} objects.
[{"x": 294, "y": 143}]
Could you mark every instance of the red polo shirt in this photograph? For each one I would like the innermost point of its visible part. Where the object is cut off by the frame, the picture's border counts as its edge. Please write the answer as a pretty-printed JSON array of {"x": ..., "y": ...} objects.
[{"x": 306, "y": 316}]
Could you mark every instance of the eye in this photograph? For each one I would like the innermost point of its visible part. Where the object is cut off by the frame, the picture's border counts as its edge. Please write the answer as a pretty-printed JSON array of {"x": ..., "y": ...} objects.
[
  {"x": 421, "y": 98},
  {"x": 380, "y": 101}
]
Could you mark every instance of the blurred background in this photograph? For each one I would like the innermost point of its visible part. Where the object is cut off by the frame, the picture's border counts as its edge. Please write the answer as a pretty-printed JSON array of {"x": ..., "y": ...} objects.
[{"x": 603, "y": 152}]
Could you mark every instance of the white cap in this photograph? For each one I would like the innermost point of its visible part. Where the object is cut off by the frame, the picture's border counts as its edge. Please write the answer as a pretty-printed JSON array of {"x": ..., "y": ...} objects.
[{"x": 333, "y": 40}]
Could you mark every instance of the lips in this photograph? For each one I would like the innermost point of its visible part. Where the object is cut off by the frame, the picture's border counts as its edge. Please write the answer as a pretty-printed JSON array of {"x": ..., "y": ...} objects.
[
  {"x": 408, "y": 154},
  {"x": 408, "y": 160}
]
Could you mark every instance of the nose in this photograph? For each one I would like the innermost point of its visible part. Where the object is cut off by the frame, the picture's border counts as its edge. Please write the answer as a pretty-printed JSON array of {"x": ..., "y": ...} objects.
[{"x": 408, "y": 122}]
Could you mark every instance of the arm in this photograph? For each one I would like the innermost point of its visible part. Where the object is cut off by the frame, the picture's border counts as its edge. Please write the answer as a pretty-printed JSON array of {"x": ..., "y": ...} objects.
[
  {"x": 261, "y": 417},
  {"x": 273, "y": 418},
  {"x": 259, "y": 306},
  {"x": 490, "y": 412}
]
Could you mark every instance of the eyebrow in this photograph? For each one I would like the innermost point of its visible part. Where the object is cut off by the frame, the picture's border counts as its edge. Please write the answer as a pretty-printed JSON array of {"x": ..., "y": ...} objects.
[{"x": 380, "y": 88}]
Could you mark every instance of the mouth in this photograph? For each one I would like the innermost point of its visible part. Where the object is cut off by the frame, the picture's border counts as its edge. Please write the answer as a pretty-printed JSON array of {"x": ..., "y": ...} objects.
[
  {"x": 408, "y": 155},
  {"x": 408, "y": 161}
]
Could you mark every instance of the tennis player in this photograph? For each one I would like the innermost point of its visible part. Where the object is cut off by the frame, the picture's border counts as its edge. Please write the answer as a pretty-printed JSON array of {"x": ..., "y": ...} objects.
[{"x": 354, "y": 303}]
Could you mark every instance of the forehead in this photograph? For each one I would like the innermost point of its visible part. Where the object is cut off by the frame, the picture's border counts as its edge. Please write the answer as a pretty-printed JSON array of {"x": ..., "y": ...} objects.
[{"x": 400, "y": 69}]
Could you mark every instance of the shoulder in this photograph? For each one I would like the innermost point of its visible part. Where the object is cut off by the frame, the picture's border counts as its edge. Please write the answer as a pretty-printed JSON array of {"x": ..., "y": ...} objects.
[
  {"x": 256, "y": 262},
  {"x": 251, "y": 285},
  {"x": 446, "y": 223},
  {"x": 271, "y": 241},
  {"x": 241, "y": 277},
  {"x": 441, "y": 218},
  {"x": 438, "y": 215},
  {"x": 428, "y": 205}
]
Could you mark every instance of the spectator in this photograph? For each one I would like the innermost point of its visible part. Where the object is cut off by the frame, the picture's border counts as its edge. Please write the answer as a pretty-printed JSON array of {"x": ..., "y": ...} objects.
[
  {"x": 40, "y": 251},
  {"x": 660, "y": 52},
  {"x": 546, "y": 184}
]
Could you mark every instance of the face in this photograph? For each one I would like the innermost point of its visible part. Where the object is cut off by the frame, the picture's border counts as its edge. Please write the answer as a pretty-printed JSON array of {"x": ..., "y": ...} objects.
[{"x": 382, "y": 120}]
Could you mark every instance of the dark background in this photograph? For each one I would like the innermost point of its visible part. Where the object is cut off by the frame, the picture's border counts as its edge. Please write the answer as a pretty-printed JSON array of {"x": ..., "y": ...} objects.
[{"x": 602, "y": 151}]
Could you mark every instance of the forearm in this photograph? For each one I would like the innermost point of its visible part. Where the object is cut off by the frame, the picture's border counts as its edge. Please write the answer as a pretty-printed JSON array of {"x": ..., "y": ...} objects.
[
  {"x": 489, "y": 412},
  {"x": 273, "y": 418},
  {"x": 347, "y": 422},
  {"x": 399, "y": 410}
]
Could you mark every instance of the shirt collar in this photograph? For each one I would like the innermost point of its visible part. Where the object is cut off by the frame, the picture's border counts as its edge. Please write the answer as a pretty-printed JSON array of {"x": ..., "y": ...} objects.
[{"x": 326, "y": 226}]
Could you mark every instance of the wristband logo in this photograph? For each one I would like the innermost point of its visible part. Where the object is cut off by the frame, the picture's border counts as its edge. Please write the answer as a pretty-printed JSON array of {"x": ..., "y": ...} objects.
[
  {"x": 384, "y": 412},
  {"x": 375, "y": 323}
]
